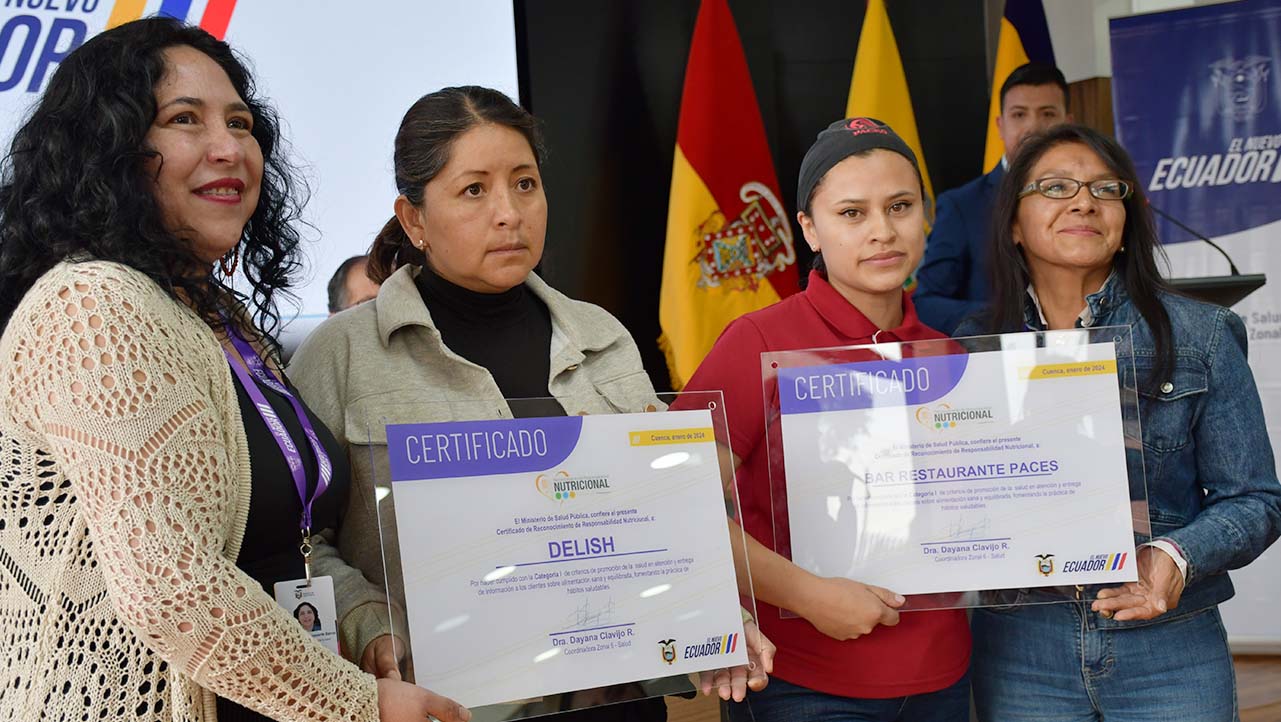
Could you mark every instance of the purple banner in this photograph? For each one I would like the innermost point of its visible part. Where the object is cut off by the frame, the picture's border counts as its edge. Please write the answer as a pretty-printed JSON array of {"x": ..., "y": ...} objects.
[
  {"x": 868, "y": 384},
  {"x": 1197, "y": 99},
  {"x": 480, "y": 448}
]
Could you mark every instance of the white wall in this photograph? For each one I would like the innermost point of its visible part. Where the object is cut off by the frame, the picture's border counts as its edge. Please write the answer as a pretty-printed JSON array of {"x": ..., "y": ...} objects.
[
  {"x": 1079, "y": 31},
  {"x": 341, "y": 75}
]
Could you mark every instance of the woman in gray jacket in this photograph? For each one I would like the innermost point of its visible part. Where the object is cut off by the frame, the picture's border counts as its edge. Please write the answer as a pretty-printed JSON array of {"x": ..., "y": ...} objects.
[{"x": 462, "y": 324}]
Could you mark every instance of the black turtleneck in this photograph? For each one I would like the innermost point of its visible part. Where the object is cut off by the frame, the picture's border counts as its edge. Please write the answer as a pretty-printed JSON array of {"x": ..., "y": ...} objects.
[{"x": 508, "y": 333}]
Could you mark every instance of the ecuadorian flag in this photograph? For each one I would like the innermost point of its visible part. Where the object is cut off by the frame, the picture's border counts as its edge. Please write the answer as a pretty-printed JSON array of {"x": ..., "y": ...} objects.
[
  {"x": 1024, "y": 38},
  {"x": 729, "y": 243},
  {"x": 729, "y": 643}
]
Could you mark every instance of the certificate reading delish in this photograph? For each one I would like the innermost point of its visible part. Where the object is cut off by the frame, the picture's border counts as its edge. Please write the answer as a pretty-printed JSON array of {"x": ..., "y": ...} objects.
[{"x": 550, "y": 555}]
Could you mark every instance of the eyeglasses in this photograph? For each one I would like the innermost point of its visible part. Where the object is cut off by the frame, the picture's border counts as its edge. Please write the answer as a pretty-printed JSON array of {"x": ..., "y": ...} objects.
[{"x": 1064, "y": 188}]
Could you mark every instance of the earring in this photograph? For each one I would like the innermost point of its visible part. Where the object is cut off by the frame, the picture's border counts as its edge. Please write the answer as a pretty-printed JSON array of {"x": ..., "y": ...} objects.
[
  {"x": 1122, "y": 248},
  {"x": 235, "y": 260}
]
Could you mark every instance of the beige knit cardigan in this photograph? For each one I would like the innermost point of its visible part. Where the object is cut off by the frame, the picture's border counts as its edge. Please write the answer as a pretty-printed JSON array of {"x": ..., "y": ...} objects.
[{"x": 123, "y": 499}]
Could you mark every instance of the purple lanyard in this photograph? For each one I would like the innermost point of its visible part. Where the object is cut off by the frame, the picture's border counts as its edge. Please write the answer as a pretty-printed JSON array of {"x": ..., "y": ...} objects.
[{"x": 259, "y": 371}]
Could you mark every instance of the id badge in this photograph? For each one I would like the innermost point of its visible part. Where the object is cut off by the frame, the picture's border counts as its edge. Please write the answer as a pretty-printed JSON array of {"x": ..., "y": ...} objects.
[{"x": 313, "y": 606}]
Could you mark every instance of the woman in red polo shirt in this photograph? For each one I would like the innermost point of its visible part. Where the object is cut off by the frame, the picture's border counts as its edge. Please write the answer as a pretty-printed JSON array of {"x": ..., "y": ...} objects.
[{"x": 850, "y": 655}]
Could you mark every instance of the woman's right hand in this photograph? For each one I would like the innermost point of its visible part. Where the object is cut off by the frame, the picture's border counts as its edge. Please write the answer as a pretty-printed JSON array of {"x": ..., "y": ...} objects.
[
  {"x": 403, "y": 702},
  {"x": 845, "y": 609}
]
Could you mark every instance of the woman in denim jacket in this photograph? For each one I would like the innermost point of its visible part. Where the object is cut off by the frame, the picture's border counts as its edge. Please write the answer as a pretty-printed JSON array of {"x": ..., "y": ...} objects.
[{"x": 1074, "y": 246}]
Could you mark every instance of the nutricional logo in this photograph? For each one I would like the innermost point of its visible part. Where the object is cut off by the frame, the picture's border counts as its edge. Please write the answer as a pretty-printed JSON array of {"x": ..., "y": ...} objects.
[
  {"x": 943, "y": 416},
  {"x": 562, "y": 487},
  {"x": 44, "y": 32}
]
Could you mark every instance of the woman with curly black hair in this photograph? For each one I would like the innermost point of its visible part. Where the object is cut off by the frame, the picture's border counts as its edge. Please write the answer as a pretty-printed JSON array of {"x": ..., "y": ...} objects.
[{"x": 149, "y": 438}]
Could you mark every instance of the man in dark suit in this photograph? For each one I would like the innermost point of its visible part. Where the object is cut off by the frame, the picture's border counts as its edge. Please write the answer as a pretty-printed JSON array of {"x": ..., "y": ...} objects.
[{"x": 952, "y": 279}]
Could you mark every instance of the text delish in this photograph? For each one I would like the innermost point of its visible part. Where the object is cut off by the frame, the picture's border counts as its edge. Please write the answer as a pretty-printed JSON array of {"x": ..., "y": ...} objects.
[
  {"x": 589, "y": 547},
  {"x": 998, "y": 470},
  {"x": 853, "y": 384},
  {"x": 476, "y": 446}
]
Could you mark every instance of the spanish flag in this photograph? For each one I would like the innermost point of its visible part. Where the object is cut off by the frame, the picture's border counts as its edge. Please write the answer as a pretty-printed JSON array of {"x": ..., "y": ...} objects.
[
  {"x": 878, "y": 88},
  {"x": 1024, "y": 38},
  {"x": 729, "y": 240}
]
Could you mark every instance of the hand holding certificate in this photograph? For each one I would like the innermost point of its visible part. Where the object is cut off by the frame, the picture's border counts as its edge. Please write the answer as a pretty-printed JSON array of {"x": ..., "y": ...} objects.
[
  {"x": 1158, "y": 590},
  {"x": 845, "y": 609},
  {"x": 943, "y": 471},
  {"x": 549, "y": 555},
  {"x": 734, "y": 682}
]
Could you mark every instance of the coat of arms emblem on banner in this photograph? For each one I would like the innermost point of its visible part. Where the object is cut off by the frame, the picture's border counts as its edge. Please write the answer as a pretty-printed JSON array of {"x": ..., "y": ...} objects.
[
  {"x": 744, "y": 251},
  {"x": 1242, "y": 85}
]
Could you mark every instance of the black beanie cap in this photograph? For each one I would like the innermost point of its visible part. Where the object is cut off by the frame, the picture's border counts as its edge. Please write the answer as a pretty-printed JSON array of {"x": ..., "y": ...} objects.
[{"x": 841, "y": 140}]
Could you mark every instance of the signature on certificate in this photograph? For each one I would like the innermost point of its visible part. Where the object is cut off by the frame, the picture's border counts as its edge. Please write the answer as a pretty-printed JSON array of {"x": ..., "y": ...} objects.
[
  {"x": 968, "y": 527},
  {"x": 589, "y": 614}
]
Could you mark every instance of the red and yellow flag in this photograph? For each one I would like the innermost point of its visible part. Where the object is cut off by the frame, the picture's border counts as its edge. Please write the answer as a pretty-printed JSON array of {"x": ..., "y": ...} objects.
[{"x": 729, "y": 241}]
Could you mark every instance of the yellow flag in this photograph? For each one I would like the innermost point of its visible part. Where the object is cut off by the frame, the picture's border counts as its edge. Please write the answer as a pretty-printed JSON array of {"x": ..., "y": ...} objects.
[
  {"x": 1009, "y": 55},
  {"x": 879, "y": 86}
]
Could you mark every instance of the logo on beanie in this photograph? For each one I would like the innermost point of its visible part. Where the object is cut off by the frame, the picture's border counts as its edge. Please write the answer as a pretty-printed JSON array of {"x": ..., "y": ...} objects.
[
  {"x": 742, "y": 252},
  {"x": 859, "y": 126}
]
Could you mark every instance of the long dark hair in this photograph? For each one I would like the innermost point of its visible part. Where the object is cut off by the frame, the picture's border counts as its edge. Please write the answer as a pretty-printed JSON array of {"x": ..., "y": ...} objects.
[
  {"x": 74, "y": 181},
  {"x": 1136, "y": 265},
  {"x": 426, "y": 136},
  {"x": 315, "y": 614}
]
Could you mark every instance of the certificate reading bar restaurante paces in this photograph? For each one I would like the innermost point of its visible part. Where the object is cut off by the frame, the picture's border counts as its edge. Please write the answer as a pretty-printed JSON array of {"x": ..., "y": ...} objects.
[
  {"x": 948, "y": 473},
  {"x": 550, "y": 555}
]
